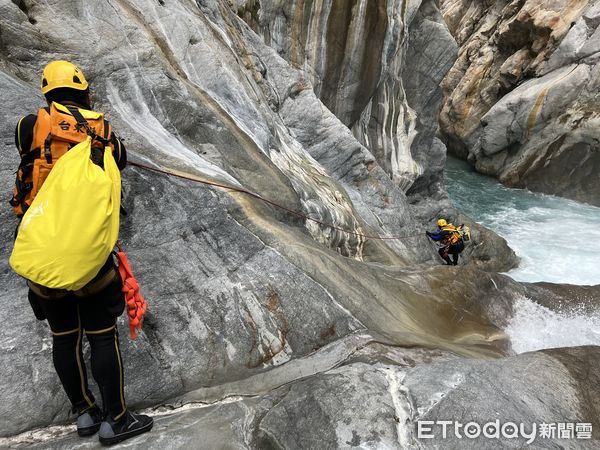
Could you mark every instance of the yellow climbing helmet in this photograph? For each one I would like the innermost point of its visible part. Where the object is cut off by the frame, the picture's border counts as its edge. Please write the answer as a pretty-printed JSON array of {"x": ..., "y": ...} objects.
[
  {"x": 62, "y": 74},
  {"x": 442, "y": 223}
]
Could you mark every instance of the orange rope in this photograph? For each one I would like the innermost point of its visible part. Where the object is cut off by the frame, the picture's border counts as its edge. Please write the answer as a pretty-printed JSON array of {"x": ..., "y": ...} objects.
[
  {"x": 135, "y": 302},
  {"x": 269, "y": 202}
]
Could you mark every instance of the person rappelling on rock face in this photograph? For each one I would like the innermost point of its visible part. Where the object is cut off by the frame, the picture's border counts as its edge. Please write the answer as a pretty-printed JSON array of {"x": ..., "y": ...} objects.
[
  {"x": 55, "y": 131},
  {"x": 451, "y": 239}
]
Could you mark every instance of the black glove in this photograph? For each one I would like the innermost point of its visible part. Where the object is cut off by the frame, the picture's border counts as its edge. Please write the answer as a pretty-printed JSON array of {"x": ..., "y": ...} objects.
[{"x": 428, "y": 233}]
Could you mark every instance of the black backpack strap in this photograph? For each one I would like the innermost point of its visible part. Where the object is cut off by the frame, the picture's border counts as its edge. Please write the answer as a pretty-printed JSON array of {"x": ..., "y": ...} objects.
[
  {"x": 84, "y": 123},
  {"x": 97, "y": 154},
  {"x": 48, "y": 148},
  {"x": 29, "y": 157},
  {"x": 22, "y": 187}
]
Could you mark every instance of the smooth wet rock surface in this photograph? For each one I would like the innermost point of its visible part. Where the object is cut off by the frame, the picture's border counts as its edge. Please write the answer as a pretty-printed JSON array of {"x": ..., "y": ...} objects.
[
  {"x": 360, "y": 405},
  {"x": 377, "y": 66},
  {"x": 235, "y": 286},
  {"x": 257, "y": 314},
  {"x": 540, "y": 387}
]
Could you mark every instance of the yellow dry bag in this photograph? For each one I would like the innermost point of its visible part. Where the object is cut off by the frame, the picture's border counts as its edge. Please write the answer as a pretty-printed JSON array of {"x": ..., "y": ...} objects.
[{"x": 72, "y": 225}]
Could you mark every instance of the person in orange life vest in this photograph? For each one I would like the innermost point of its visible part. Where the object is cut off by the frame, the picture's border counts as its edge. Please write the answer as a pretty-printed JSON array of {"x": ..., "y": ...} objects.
[
  {"x": 451, "y": 240},
  {"x": 93, "y": 310}
]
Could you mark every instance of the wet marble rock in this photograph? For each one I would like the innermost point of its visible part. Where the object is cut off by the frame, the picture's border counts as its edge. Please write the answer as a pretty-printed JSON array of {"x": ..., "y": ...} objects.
[
  {"x": 377, "y": 66},
  {"x": 236, "y": 287},
  {"x": 379, "y": 405},
  {"x": 519, "y": 103}
]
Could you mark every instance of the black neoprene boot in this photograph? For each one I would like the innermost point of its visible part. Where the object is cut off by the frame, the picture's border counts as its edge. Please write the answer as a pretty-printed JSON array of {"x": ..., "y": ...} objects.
[
  {"x": 126, "y": 427},
  {"x": 88, "y": 422}
]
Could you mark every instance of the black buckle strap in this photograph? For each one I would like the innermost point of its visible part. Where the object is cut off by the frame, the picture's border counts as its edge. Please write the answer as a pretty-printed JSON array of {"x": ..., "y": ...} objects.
[
  {"x": 29, "y": 157},
  {"x": 23, "y": 187},
  {"x": 22, "y": 190},
  {"x": 47, "y": 148}
]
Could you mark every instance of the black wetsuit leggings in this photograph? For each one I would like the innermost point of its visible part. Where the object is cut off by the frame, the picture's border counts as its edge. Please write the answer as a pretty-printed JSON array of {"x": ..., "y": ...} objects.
[
  {"x": 69, "y": 318},
  {"x": 453, "y": 250}
]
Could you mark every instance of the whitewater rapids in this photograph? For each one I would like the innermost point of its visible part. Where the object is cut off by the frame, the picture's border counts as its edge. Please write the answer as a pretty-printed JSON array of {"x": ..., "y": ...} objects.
[{"x": 557, "y": 240}]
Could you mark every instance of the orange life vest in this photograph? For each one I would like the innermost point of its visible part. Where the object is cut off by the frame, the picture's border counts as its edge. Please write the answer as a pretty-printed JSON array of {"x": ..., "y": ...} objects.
[
  {"x": 55, "y": 132},
  {"x": 453, "y": 237}
]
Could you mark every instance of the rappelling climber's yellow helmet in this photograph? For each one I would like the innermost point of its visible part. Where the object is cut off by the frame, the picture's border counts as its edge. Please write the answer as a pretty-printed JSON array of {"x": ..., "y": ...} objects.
[
  {"x": 442, "y": 223},
  {"x": 62, "y": 74}
]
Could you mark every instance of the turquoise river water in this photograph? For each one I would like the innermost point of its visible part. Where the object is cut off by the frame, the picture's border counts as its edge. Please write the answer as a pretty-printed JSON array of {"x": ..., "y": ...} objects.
[{"x": 557, "y": 240}]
